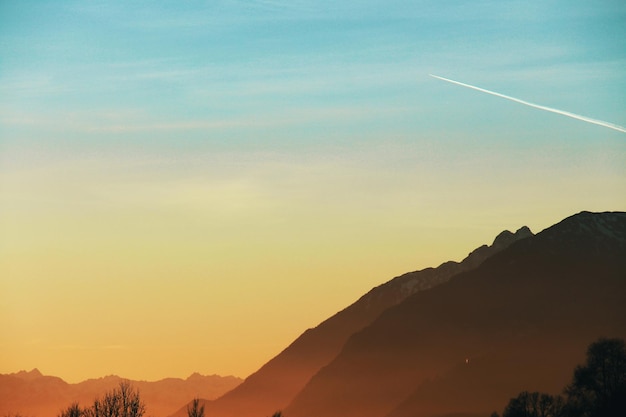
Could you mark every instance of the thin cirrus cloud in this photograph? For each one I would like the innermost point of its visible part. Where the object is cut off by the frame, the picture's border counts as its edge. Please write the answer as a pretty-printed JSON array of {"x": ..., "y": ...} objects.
[
  {"x": 87, "y": 347},
  {"x": 105, "y": 121}
]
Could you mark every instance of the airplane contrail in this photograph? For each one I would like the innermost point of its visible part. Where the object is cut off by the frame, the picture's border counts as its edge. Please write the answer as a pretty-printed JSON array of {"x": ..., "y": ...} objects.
[{"x": 537, "y": 106}]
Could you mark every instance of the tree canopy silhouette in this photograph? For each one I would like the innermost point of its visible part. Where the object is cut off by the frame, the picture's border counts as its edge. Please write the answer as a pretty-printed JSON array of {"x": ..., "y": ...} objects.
[
  {"x": 534, "y": 404},
  {"x": 599, "y": 387}
]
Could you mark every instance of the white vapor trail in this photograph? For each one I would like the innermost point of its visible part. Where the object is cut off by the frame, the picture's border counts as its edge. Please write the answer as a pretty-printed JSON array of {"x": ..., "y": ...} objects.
[{"x": 537, "y": 106}]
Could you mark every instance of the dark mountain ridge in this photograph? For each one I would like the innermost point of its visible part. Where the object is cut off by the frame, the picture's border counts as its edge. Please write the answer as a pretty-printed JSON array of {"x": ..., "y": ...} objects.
[
  {"x": 520, "y": 320},
  {"x": 275, "y": 384}
]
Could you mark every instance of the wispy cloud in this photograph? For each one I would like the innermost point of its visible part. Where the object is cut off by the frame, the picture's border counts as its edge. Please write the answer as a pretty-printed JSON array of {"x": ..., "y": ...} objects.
[
  {"x": 90, "y": 347},
  {"x": 133, "y": 121}
]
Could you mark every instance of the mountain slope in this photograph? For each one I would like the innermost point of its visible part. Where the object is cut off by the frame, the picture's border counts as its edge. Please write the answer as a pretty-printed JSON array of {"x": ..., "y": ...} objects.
[
  {"x": 523, "y": 319},
  {"x": 274, "y": 385},
  {"x": 33, "y": 394}
]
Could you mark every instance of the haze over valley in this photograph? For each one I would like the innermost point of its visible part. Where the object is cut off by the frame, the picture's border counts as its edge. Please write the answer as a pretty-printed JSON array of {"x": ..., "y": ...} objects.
[
  {"x": 226, "y": 190},
  {"x": 460, "y": 338}
]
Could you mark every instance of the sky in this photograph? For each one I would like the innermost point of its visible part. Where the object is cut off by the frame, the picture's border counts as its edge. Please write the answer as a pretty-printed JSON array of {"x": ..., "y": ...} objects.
[{"x": 188, "y": 186}]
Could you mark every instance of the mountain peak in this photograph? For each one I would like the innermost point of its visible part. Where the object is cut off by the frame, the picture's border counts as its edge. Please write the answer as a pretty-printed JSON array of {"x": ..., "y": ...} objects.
[
  {"x": 195, "y": 376},
  {"x": 502, "y": 241},
  {"x": 505, "y": 238},
  {"x": 609, "y": 224},
  {"x": 590, "y": 231},
  {"x": 29, "y": 375}
]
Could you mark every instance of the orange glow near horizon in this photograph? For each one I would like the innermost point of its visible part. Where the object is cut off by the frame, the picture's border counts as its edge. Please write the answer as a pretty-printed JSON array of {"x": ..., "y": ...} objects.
[
  {"x": 113, "y": 278},
  {"x": 188, "y": 188}
]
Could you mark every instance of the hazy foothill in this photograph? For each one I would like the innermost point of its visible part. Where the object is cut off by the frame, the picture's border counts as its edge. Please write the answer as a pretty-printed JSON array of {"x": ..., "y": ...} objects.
[
  {"x": 597, "y": 389},
  {"x": 32, "y": 394},
  {"x": 530, "y": 326}
]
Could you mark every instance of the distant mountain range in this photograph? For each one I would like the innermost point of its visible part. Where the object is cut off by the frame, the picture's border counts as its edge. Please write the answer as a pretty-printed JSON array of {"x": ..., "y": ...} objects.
[
  {"x": 32, "y": 394},
  {"x": 457, "y": 340}
]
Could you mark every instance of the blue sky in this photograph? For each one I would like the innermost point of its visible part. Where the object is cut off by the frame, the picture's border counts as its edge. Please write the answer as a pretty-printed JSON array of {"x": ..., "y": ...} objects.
[
  {"x": 226, "y": 61},
  {"x": 295, "y": 149}
]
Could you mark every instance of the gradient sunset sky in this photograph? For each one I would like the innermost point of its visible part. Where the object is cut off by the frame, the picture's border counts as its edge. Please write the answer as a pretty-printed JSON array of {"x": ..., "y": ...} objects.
[{"x": 188, "y": 186}]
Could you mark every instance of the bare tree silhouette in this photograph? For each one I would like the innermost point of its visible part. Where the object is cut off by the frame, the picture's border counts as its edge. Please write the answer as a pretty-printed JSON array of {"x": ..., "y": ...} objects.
[
  {"x": 123, "y": 401},
  {"x": 73, "y": 410},
  {"x": 534, "y": 404},
  {"x": 195, "y": 409}
]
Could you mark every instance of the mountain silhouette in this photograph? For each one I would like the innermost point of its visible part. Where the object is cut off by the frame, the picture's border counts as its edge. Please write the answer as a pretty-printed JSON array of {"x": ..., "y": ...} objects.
[
  {"x": 457, "y": 340},
  {"x": 274, "y": 385},
  {"x": 33, "y": 394},
  {"x": 521, "y": 320}
]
